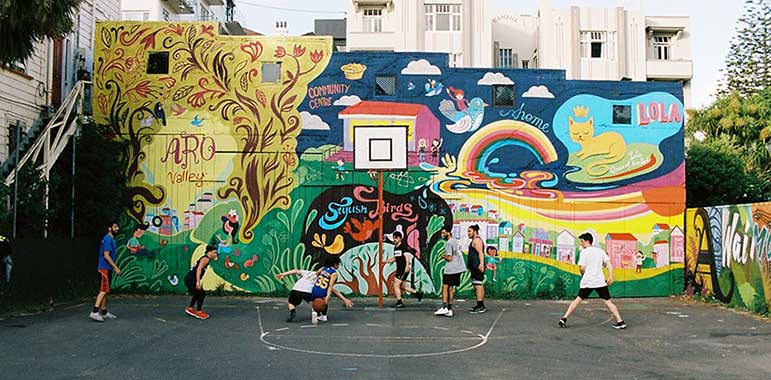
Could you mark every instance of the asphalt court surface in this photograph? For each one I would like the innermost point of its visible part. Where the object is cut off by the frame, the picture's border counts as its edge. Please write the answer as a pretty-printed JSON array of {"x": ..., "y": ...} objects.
[{"x": 248, "y": 338}]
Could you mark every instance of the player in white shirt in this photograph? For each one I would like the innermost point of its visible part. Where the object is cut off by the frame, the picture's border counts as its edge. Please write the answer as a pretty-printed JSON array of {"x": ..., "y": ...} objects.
[
  {"x": 593, "y": 280},
  {"x": 301, "y": 291}
]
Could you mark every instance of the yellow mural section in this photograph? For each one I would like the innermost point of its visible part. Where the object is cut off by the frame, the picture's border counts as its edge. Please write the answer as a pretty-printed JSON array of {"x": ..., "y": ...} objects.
[{"x": 204, "y": 114}]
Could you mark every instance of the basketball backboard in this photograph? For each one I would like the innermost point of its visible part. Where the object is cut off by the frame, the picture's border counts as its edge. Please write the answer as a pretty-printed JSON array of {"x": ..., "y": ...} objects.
[{"x": 380, "y": 147}]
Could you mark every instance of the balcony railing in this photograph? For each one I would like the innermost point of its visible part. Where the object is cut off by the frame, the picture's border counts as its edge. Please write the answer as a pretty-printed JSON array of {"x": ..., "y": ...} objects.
[{"x": 669, "y": 69}]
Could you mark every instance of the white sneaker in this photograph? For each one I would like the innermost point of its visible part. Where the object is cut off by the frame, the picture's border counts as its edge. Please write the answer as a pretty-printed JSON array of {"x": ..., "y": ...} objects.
[
  {"x": 314, "y": 318},
  {"x": 96, "y": 316},
  {"x": 441, "y": 311},
  {"x": 449, "y": 313},
  {"x": 322, "y": 318},
  {"x": 109, "y": 316}
]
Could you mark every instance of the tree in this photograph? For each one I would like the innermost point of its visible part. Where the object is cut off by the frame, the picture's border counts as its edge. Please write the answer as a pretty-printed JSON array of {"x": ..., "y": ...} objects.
[
  {"x": 748, "y": 64},
  {"x": 715, "y": 175},
  {"x": 26, "y": 22}
]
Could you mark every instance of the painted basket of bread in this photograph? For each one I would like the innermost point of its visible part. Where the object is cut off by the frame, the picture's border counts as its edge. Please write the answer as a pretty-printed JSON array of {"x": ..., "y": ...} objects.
[{"x": 353, "y": 71}]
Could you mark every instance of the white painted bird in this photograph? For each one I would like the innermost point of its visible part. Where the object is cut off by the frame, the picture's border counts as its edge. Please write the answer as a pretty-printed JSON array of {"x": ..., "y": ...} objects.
[{"x": 465, "y": 121}]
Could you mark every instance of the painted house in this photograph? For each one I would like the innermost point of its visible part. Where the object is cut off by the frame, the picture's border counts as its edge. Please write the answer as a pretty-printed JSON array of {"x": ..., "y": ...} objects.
[
  {"x": 505, "y": 229},
  {"x": 566, "y": 247},
  {"x": 477, "y": 210},
  {"x": 660, "y": 227},
  {"x": 493, "y": 214},
  {"x": 661, "y": 248},
  {"x": 488, "y": 231},
  {"x": 677, "y": 245},
  {"x": 622, "y": 249},
  {"x": 540, "y": 243},
  {"x": 421, "y": 124},
  {"x": 518, "y": 242}
]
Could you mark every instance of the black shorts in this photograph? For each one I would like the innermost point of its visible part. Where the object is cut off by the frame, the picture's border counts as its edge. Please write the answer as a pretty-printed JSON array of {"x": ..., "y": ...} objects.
[
  {"x": 296, "y": 297},
  {"x": 402, "y": 276},
  {"x": 451, "y": 279},
  {"x": 477, "y": 277},
  {"x": 602, "y": 292}
]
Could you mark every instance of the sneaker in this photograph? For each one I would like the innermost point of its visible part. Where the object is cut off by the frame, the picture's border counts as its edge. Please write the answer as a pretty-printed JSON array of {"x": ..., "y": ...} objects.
[
  {"x": 563, "y": 322},
  {"x": 398, "y": 305},
  {"x": 619, "y": 325},
  {"x": 314, "y": 318},
  {"x": 96, "y": 316},
  {"x": 291, "y": 318},
  {"x": 190, "y": 311},
  {"x": 322, "y": 318},
  {"x": 479, "y": 310},
  {"x": 419, "y": 296},
  {"x": 200, "y": 314},
  {"x": 108, "y": 316},
  {"x": 449, "y": 313},
  {"x": 442, "y": 311}
]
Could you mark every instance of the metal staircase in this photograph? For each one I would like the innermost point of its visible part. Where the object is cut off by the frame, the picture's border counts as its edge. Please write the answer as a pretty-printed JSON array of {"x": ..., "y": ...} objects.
[{"x": 53, "y": 139}]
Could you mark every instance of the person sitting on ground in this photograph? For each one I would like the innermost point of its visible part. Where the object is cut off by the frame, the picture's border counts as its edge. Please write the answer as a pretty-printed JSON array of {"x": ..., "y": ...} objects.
[{"x": 301, "y": 291}]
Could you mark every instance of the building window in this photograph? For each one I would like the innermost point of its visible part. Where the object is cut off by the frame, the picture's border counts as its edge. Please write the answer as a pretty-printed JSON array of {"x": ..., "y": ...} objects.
[
  {"x": 505, "y": 58},
  {"x": 136, "y": 16},
  {"x": 204, "y": 14},
  {"x": 158, "y": 62},
  {"x": 456, "y": 59},
  {"x": 662, "y": 46},
  {"x": 166, "y": 15},
  {"x": 525, "y": 64},
  {"x": 373, "y": 20},
  {"x": 271, "y": 72},
  {"x": 443, "y": 17},
  {"x": 593, "y": 45},
  {"x": 385, "y": 85},
  {"x": 622, "y": 114},
  {"x": 503, "y": 95}
]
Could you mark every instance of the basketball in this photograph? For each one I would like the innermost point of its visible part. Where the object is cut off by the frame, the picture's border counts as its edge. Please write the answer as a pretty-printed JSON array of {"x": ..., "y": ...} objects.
[{"x": 319, "y": 305}]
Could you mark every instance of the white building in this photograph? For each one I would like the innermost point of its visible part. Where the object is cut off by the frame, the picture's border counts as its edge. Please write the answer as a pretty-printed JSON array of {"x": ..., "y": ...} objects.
[
  {"x": 597, "y": 44},
  {"x": 34, "y": 87},
  {"x": 461, "y": 28},
  {"x": 172, "y": 10}
]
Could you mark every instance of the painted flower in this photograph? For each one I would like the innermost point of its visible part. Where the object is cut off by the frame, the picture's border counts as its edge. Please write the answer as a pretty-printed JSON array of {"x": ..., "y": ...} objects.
[
  {"x": 260, "y": 96},
  {"x": 280, "y": 52},
  {"x": 197, "y": 100},
  {"x": 317, "y": 56},
  {"x": 298, "y": 51},
  {"x": 177, "y": 29},
  {"x": 177, "y": 109},
  {"x": 207, "y": 29},
  {"x": 143, "y": 88},
  {"x": 254, "y": 49},
  {"x": 168, "y": 81},
  {"x": 131, "y": 64},
  {"x": 102, "y": 102}
]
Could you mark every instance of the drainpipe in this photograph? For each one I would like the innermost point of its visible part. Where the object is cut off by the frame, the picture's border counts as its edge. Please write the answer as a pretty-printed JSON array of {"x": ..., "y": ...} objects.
[{"x": 16, "y": 176}]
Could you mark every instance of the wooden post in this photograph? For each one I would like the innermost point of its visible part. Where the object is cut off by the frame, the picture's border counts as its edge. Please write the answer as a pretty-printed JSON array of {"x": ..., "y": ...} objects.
[{"x": 380, "y": 238}]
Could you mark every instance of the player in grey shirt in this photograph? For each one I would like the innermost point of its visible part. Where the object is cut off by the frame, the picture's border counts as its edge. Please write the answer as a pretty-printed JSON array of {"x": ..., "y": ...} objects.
[{"x": 452, "y": 271}]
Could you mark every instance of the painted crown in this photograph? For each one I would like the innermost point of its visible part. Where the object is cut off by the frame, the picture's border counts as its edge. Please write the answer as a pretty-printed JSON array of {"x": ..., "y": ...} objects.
[{"x": 581, "y": 111}]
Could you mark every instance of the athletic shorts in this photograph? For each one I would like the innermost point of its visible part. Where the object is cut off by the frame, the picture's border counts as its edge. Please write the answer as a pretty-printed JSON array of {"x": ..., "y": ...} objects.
[
  {"x": 403, "y": 276},
  {"x": 602, "y": 292},
  {"x": 451, "y": 279},
  {"x": 297, "y": 297},
  {"x": 104, "y": 280},
  {"x": 477, "y": 277}
]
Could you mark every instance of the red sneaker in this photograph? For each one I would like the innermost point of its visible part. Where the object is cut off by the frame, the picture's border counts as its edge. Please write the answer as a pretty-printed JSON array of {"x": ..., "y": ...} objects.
[
  {"x": 200, "y": 314},
  {"x": 190, "y": 311}
]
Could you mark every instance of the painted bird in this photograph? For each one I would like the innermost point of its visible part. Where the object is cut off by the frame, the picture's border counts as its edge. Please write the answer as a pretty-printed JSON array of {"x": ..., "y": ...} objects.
[
  {"x": 159, "y": 113},
  {"x": 465, "y": 121},
  {"x": 197, "y": 122}
]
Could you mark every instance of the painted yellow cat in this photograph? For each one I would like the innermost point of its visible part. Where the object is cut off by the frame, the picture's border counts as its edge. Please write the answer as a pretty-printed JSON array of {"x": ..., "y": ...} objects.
[{"x": 611, "y": 145}]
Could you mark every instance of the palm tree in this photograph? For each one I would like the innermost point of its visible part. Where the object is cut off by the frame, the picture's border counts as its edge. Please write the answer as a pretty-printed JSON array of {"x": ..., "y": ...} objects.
[{"x": 26, "y": 22}]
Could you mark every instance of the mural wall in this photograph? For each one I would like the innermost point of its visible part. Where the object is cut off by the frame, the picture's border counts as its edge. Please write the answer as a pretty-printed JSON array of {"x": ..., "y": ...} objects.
[
  {"x": 247, "y": 143},
  {"x": 728, "y": 255}
]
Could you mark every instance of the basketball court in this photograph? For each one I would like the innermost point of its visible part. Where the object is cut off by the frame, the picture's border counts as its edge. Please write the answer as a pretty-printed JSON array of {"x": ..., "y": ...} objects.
[{"x": 247, "y": 338}]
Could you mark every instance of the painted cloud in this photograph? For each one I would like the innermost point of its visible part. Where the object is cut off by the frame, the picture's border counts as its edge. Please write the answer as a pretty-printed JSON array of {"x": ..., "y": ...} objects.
[
  {"x": 494, "y": 78},
  {"x": 313, "y": 122},
  {"x": 538, "y": 92},
  {"x": 421, "y": 67},
  {"x": 347, "y": 100}
]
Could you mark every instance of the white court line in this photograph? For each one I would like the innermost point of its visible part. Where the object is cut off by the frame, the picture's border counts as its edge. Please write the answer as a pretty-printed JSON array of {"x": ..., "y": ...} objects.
[
  {"x": 375, "y": 325},
  {"x": 440, "y": 328},
  {"x": 283, "y": 329},
  {"x": 466, "y": 331},
  {"x": 308, "y": 326},
  {"x": 161, "y": 319},
  {"x": 337, "y": 325},
  {"x": 482, "y": 342}
]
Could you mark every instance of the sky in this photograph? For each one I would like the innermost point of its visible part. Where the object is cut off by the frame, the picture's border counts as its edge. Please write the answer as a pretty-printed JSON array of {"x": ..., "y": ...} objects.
[{"x": 712, "y": 24}]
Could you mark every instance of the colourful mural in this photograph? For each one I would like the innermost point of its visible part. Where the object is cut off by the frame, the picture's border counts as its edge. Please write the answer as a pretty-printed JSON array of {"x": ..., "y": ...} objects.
[
  {"x": 728, "y": 255},
  {"x": 247, "y": 143}
]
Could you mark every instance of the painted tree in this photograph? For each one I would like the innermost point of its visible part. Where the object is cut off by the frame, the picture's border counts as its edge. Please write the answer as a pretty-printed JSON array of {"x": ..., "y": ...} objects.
[
  {"x": 748, "y": 64},
  {"x": 25, "y": 23}
]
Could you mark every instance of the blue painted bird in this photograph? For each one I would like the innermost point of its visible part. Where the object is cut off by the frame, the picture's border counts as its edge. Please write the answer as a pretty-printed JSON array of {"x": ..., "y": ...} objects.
[
  {"x": 196, "y": 122},
  {"x": 468, "y": 120},
  {"x": 159, "y": 113}
]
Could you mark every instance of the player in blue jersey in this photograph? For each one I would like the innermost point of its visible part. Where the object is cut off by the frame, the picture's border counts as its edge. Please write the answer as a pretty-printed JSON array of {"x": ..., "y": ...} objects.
[{"x": 323, "y": 287}]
